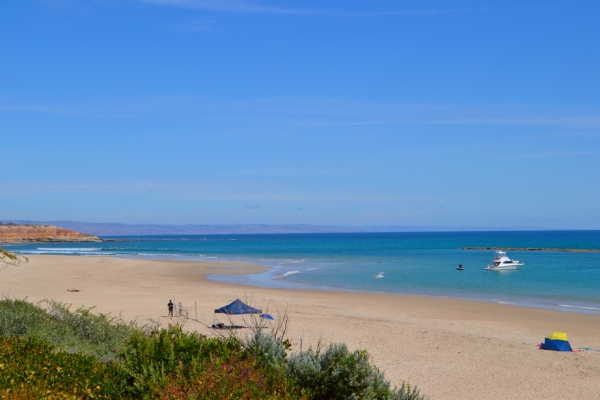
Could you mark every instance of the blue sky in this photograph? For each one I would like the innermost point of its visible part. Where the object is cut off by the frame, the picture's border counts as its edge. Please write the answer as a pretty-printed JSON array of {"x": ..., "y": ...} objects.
[{"x": 412, "y": 113}]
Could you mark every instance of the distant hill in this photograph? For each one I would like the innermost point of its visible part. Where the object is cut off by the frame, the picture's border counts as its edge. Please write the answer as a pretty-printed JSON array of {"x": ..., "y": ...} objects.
[
  {"x": 116, "y": 229},
  {"x": 18, "y": 233}
]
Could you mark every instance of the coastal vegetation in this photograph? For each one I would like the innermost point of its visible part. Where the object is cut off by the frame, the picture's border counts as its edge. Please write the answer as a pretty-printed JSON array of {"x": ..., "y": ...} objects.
[
  {"x": 51, "y": 352},
  {"x": 8, "y": 254}
]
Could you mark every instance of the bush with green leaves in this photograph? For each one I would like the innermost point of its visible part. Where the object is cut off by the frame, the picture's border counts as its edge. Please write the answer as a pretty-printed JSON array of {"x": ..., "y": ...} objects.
[
  {"x": 266, "y": 349},
  {"x": 173, "y": 361},
  {"x": 75, "y": 331},
  {"x": 31, "y": 369},
  {"x": 407, "y": 392},
  {"x": 152, "y": 360},
  {"x": 338, "y": 373}
]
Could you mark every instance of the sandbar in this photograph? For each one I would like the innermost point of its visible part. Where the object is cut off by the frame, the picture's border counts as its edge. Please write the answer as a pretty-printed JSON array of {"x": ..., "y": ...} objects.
[{"x": 449, "y": 348}]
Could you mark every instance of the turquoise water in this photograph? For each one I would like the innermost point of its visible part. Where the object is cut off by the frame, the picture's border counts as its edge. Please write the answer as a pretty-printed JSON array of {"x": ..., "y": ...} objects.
[{"x": 414, "y": 263}]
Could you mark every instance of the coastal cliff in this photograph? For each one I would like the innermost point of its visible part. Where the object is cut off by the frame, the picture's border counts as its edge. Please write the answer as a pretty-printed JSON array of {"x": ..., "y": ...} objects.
[{"x": 12, "y": 233}]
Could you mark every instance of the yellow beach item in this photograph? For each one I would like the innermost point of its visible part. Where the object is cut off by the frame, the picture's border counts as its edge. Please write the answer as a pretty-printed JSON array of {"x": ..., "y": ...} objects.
[{"x": 558, "y": 336}]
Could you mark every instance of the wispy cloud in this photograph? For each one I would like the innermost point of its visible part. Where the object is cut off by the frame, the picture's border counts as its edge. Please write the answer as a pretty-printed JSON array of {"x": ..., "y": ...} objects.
[
  {"x": 549, "y": 154},
  {"x": 314, "y": 113},
  {"x": 236, "y": 6},
  {"x": 249, "y": 192},
  {"x": 398, "y": 13},
  {"x": 228, "y": 6}
]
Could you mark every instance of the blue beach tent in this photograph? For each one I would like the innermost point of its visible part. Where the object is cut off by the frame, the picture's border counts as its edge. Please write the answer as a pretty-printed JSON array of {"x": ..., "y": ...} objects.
[
  {"x": 237, "y": 308},
  {"x": 557, "y": 341}
]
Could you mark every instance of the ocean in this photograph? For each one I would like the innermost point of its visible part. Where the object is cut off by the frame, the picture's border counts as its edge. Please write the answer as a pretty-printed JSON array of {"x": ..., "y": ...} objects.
[{"x": 413, "y": 263}]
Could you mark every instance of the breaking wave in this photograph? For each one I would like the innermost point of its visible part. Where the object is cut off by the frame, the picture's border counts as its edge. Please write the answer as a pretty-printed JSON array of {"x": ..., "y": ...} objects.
[
  {"x": 290, "y": 273},
  {"x": 580, "y": 307}
]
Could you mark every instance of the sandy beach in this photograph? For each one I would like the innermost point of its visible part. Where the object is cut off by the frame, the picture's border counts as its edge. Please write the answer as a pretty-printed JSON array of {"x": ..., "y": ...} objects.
[{"x": 450, "y": 349}]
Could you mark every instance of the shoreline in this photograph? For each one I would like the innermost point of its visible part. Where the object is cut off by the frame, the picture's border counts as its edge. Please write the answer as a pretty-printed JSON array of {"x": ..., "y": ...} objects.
[
  {"x": 526, "y": 302},
  {"x": 533, "y": 303},
  {"x": 282, "y": 284},
  {"x": 449, "y": 348}
]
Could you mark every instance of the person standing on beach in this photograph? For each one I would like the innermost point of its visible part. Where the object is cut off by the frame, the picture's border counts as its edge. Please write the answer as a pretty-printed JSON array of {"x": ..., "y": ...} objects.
[
  {"x": 170, "y": 305},
  {"x": 180, "y": 307}
]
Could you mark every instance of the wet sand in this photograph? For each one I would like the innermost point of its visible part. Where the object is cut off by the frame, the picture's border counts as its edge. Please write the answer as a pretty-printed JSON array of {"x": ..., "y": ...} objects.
[{"x": 450, "y": 349}]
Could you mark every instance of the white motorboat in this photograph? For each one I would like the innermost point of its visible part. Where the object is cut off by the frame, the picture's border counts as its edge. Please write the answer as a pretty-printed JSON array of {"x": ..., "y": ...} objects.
[{"x": 502, "y": 263}]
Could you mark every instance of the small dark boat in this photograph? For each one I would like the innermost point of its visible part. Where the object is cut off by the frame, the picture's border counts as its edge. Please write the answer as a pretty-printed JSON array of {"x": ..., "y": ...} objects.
[{"x": 460, "y": 268}]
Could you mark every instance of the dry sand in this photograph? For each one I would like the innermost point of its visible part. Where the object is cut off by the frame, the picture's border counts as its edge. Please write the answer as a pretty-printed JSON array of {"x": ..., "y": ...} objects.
[{"x": 450, "y": 349}]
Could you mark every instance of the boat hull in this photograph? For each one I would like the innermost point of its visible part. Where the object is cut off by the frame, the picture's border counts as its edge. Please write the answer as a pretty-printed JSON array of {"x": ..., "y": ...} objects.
[{"x": 511, "y": 267}]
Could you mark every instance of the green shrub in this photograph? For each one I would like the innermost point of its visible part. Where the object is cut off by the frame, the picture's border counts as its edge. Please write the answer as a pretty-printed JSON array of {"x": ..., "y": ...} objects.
[
  {"x": 234, "y": 378},
  {"x": 75, "y": 331},
  {"x": 266, "y": 349},
  {"x": 33, "y": 369},
  {"x": 338, "y": 373},
  {"x": 305, "y": 368},
  {"x": 152, "y": 360},
  {"x": 170, "y": 363},
  {"x": 406, "y": 392}
]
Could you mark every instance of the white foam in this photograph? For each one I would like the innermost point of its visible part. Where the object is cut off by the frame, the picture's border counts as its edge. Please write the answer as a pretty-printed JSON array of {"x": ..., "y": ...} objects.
[
  {"x": 310, "y": 269},
  {"x": 290, "y": 273},
  {"x": 54, "y": 252},
  {"x": 580, "y": 307},
  {"x": 68, "y": 248}
]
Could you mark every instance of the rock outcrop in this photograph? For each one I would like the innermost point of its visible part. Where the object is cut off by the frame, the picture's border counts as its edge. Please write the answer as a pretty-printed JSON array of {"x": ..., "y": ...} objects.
[{"x": 12, "y": 233}]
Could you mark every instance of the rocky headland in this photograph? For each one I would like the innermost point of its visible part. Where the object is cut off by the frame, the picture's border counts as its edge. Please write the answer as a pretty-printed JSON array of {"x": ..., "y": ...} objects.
[{"x": 13, "y": 233}]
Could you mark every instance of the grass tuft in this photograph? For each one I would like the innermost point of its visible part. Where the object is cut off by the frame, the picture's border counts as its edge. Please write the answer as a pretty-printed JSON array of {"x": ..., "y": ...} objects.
[
  {"x": 80, "y": 331},
  {"x": 8, "y": 254}
]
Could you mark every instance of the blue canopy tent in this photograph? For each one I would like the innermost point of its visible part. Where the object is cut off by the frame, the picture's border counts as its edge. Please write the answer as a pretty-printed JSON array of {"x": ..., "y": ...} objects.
[{"x": 237, "y": 307}]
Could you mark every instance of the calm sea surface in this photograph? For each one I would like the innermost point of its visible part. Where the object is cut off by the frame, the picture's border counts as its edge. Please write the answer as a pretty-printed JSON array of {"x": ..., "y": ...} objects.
[{"x": 414, "y": 263}]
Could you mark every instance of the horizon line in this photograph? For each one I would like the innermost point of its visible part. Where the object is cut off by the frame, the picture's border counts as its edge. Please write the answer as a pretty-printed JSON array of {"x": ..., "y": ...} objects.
[{"x": 302, "y": 228}]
